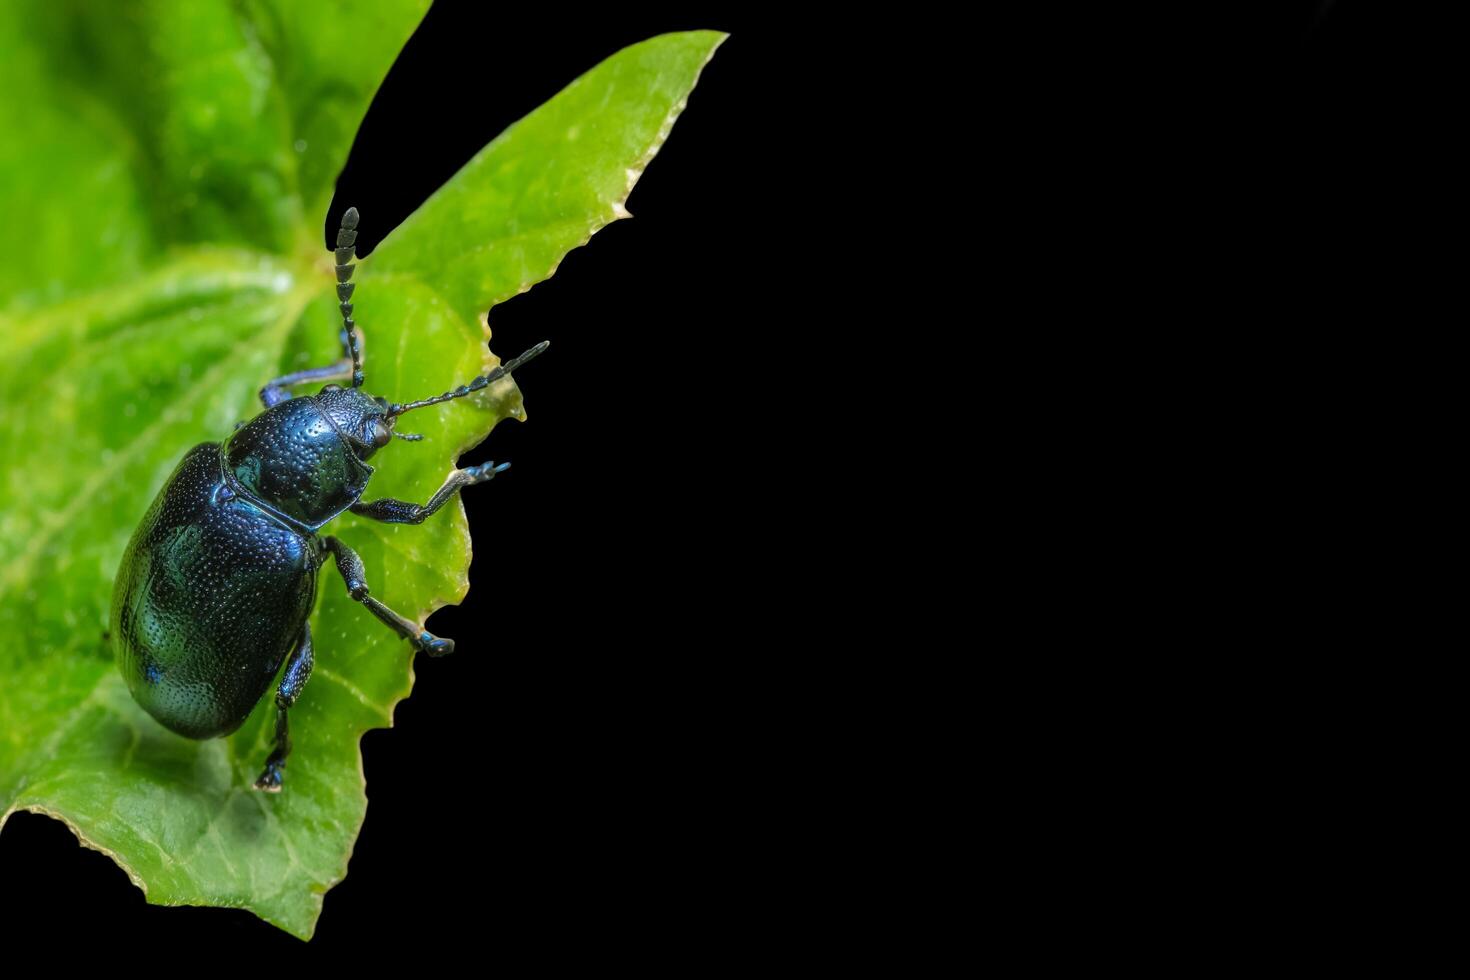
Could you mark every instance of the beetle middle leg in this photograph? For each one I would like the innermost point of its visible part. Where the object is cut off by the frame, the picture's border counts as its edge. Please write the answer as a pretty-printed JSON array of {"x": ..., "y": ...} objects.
[
  {"x": 298, "y": 670},
  {"x": 350, "y": 565}
]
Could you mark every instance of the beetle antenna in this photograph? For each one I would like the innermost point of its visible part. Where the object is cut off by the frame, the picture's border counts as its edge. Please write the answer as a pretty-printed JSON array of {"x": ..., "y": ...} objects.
[
  {"x": 499, "y": 372},
  {"x": 346, "y": 251},
  {"x": 410, "y": 436}
]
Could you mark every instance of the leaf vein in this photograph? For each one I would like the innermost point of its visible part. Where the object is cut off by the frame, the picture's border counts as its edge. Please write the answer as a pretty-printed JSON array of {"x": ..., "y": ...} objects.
[{"x": 104, "y": 474}]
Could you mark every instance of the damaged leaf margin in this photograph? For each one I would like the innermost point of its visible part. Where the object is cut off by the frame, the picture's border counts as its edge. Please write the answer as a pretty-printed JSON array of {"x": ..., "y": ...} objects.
[{"x": 116, "y": 368}]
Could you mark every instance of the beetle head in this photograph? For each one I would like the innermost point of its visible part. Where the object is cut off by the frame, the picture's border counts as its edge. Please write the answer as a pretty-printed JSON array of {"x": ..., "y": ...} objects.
[
  {"x": 366, "y": 421},
  {"x": 362, "y": 419}
]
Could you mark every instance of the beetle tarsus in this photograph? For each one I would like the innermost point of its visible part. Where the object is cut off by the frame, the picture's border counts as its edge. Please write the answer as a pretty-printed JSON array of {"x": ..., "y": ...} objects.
[
  {"x": 434, "y": 646},
  {"x": 270, "y": 780},
  {"x": 485, "y": 472}
]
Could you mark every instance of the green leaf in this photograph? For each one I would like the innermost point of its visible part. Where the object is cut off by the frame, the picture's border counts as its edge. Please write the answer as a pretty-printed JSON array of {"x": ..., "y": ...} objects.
[
  {"x": 543, "y": 187},
  {"x": 163, "y": 186}
]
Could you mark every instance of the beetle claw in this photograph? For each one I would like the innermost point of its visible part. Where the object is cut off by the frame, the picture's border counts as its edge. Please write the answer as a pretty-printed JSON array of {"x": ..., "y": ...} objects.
[
  {"x": 485, "y": 472},
  {"x": 270, "y": 780}
]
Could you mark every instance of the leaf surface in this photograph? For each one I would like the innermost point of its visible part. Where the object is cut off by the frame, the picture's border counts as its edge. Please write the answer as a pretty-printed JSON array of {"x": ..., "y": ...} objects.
[{"x": 163, "y": 186}]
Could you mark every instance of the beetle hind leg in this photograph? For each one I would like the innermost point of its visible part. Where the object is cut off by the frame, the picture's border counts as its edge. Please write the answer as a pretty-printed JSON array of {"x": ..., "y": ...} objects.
[{"x": 298, "y": 671}]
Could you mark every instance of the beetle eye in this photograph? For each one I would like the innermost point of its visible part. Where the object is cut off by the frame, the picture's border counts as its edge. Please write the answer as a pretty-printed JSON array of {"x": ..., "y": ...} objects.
[
  {"x": 332, "y": 387},
  {"x": 382, "y": 435}
]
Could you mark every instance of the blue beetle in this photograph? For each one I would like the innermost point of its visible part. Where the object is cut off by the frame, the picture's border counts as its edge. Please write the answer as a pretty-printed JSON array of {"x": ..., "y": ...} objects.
[{"x": 219, "y": 579}]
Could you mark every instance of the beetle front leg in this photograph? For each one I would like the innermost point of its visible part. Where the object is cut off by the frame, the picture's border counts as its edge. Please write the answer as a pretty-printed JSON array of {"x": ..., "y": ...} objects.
[
  {"x": 275, "y": 391},
  {"x": 350, "y": 565},
  {"x": 298, "y": 670},
  {"x": 391, "y": 511}
]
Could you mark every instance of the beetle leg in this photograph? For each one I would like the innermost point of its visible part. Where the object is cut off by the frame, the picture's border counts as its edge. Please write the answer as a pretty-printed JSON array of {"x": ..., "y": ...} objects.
[
  {"x": 275, "y": 391},
  {"x": 391, "y": 511},
  {"x": 350, "y": 565},
  {"x": 298, "y": 670}
]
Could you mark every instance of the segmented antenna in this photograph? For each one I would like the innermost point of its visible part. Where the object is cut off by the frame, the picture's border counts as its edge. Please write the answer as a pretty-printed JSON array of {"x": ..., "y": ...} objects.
[
  {"x": 346, "y": 251},
  {"x": 499, "y": 372}
]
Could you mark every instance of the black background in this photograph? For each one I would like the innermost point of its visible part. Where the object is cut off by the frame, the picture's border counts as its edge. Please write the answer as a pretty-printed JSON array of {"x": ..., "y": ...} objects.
[
  {"x": 526, "y": 783},
  {"x": 608, "y": 766}
]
